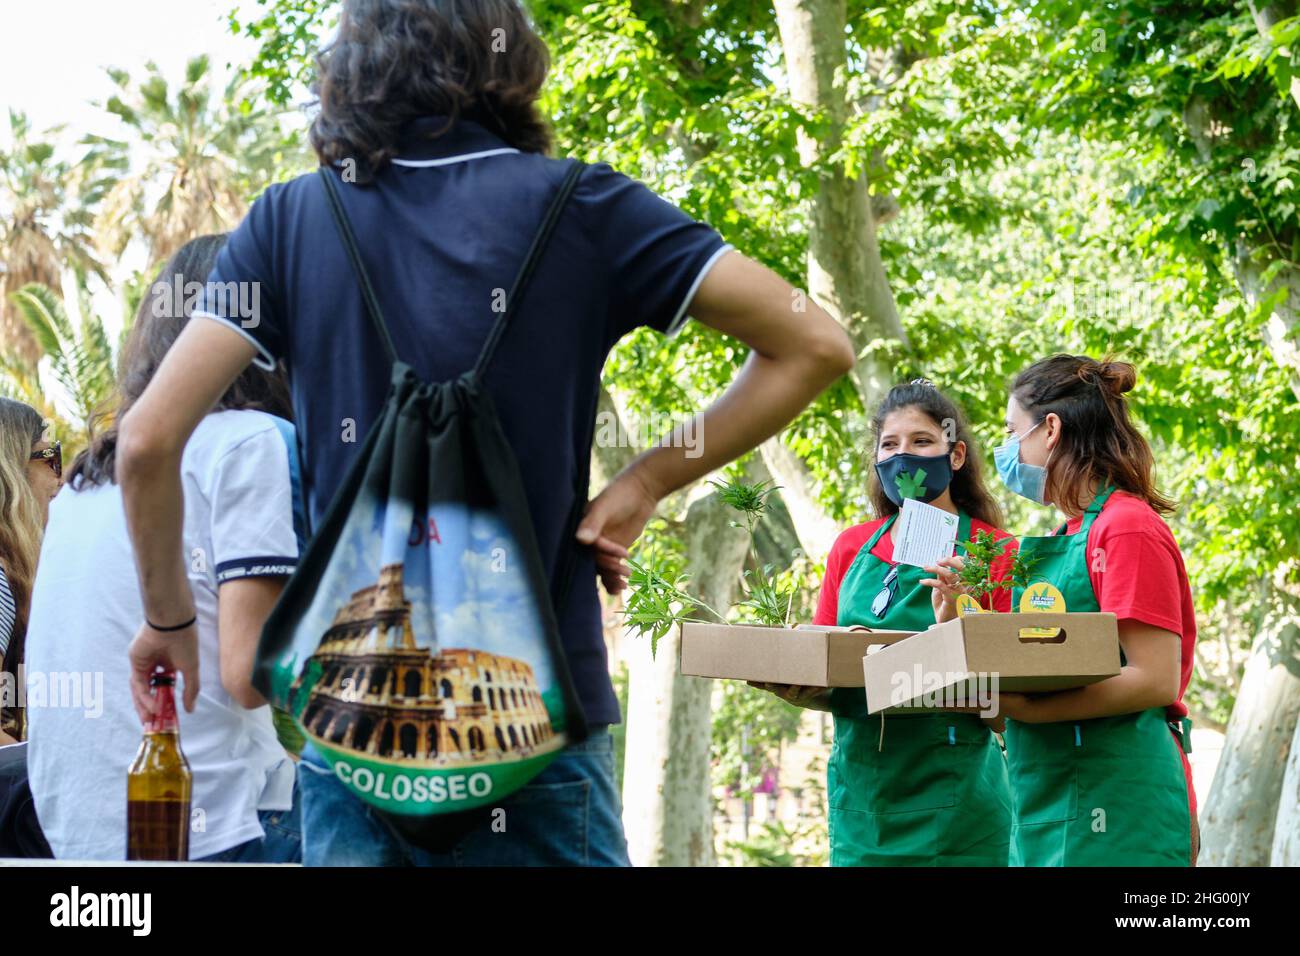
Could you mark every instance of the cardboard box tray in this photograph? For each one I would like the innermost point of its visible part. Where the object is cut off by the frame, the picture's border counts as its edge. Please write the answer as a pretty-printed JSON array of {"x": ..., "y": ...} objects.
[
  {"x": 956, "y": 656},
  {"x": 811, "y": 656}
]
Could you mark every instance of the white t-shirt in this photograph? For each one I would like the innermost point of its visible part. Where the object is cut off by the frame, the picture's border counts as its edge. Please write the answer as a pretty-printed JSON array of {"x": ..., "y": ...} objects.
[{"x": 86, "y": 608}]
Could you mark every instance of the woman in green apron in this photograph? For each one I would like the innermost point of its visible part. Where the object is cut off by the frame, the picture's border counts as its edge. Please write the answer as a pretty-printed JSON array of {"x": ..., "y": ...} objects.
[
  {"x": 910, "y": 789},
  {"x": 1099, "y": 773}
]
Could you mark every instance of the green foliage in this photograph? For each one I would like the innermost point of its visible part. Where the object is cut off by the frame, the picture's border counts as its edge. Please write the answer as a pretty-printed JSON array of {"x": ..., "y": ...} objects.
[
  {"x": 621, "y": 679},
  {"x": 192, "y": 159},
  {"x": 774, "y": 843},
  {"x": 771, "y": 846},
  {"x": 749, "y": 728},
  {"x": 767, "y": 600},
  {"x": 20, "y": 380},
  {"x": 1192, "y": 114},
  {"x": 80, "y": 358},
  {"x": 47, "y": 204},
  {"x": 289, "y": 31},
  {"x": 1208, "y": 138}
]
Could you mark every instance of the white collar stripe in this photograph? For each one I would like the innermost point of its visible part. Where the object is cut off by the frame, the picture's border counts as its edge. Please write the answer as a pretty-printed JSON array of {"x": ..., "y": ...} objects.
[{"x": 454, "y": 159}]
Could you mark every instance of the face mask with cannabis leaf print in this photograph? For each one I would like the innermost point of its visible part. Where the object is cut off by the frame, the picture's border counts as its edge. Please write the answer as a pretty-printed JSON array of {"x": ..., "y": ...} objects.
[{"x": 922, "y": 477}]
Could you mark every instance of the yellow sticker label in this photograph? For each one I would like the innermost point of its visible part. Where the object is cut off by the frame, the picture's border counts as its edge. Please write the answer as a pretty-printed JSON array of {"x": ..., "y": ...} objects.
[
  {"x": 1041, "y": 597},
  {"x": 968, "y": 605}
]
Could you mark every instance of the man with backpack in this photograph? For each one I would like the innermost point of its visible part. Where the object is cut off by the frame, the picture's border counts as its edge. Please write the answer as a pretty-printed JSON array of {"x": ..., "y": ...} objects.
[{"x": 441, "y": 258}]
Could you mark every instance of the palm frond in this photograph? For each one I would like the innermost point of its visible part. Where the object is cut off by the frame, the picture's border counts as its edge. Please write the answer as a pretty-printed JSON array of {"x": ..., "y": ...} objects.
[
  {"x": 80, "y": 359},
  {"x": 19, "y": 380},
  {"x": 206, "y": 156},
  {"x": 41, "y": 309}
]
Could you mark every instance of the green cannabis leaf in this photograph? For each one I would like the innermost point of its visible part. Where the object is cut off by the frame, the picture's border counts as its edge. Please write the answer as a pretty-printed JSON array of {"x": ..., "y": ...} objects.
[
  {"x": 767, "y": 603},
  {"x": 655, "y": 604},
  {"x": 749, "y": 500},
  {"x": 911, "y": 486}
]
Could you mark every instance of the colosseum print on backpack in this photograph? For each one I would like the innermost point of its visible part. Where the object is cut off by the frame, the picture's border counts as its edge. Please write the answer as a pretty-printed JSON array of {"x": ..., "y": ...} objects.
[{"x": 416, "y": 645}]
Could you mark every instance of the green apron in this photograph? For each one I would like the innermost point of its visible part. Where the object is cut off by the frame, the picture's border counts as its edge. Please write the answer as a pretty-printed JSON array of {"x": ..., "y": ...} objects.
[
  {"x": 1104, "y": 792},
  {"x": 933, "y": 790}
]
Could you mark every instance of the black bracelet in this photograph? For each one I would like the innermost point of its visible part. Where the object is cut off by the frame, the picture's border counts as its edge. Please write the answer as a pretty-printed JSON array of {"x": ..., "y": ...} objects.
[{"x": 174, "y": 627}]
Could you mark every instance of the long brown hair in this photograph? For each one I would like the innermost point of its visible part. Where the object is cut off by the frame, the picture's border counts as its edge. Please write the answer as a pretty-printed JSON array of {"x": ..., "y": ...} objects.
[
  {"x": 21, "y": 430},
  {"x": 157, "y": 325},
  {"x": 1098, "y": 445},
  {"x": 397, "y": 60},
  {"x": 967, "y": 488}
]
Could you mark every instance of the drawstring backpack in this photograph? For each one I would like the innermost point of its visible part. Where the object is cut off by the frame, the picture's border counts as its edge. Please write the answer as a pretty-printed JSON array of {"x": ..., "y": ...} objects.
[{"x": 417, "y": 644}]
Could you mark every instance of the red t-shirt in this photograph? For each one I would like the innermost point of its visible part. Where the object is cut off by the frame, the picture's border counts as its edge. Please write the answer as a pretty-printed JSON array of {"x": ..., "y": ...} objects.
[
  {"x": 1137, "y": 574},
  {"x": 850, "y": 542}
]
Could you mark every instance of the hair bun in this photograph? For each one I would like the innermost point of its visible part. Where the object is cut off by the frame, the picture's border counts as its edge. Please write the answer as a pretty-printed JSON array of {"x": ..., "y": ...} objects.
[{"x": 1116, "y": 378}]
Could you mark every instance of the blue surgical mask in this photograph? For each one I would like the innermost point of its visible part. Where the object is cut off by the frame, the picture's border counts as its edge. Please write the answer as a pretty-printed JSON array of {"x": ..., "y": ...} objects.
[{"x": 1028, "y": 481}]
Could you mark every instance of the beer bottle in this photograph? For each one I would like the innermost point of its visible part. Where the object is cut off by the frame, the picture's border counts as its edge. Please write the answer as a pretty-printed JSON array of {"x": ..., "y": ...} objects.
[{"x": 158, "y": 785}]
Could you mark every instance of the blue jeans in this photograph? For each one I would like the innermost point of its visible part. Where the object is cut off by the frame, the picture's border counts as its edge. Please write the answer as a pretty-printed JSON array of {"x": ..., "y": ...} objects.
[
  {"x": 282, "y": 843},
  {"x": 568, "y": 815}
]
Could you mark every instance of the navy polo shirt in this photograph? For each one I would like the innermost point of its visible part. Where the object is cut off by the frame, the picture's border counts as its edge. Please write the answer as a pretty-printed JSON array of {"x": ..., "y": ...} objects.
[{"x": 442, "y": 231}]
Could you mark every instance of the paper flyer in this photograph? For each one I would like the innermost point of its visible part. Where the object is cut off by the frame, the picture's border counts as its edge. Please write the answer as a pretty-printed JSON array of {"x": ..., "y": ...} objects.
[{"x": 924, "y": 534}]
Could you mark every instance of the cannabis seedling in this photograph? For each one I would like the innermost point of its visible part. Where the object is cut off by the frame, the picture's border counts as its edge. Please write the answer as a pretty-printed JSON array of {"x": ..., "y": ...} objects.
[
  {"x": 655, "y": 603},
  {"x": 982, "y": 552}
]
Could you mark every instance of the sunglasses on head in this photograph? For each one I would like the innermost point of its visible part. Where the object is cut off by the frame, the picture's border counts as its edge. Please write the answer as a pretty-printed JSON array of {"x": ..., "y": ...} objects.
[{"x": 52, "y": 456}]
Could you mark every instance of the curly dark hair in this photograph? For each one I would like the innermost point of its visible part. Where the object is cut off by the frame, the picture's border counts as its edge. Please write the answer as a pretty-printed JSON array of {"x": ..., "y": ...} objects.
[{"x": 396, "y": 60}]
